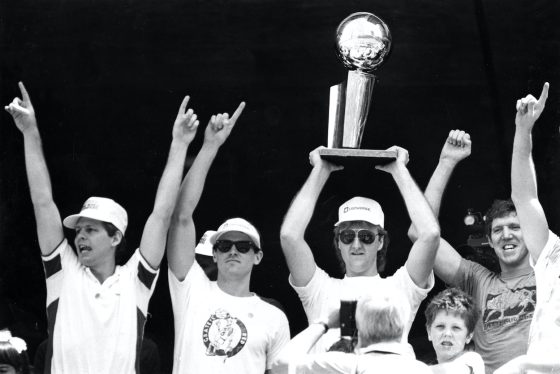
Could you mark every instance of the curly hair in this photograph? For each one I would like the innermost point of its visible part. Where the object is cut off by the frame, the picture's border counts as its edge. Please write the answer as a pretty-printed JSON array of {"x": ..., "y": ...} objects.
[{"x": 455, "y": 301}]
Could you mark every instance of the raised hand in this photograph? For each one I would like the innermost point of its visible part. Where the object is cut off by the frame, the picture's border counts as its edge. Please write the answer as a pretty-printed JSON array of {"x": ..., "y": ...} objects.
[
  {"x": 22, "y": 111},
  {"x": 184, "y": 128},
  {"x": 220, "y": 126},
  {"x": 529, "y": 109},
  {"x": 316, "y": 161},
  {"x": 457, "y": 146},
  {"x": 400, "y": 162}
]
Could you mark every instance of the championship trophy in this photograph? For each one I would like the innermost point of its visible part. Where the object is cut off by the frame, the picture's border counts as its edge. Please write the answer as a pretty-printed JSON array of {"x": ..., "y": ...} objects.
[{"x": 363, "y": 43}]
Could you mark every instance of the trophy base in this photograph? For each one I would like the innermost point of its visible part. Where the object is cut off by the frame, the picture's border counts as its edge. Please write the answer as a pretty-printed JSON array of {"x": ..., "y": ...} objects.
[{"x": 350, "y": 156}]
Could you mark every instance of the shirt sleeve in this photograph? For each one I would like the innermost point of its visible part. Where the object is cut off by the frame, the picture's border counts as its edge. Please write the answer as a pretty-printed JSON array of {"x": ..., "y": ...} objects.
[
  {"x": 316, "y": 294},
  {"x": 145, "y": 279},
  {"x": 56, "y": 264},
  {"x": 196, "y": 282},
  {"x": 551, "y": 248},
  {"x": 414, "y": 295},
  {"x": 469, "y": 276},
  {"x": 280, "y": 338}
]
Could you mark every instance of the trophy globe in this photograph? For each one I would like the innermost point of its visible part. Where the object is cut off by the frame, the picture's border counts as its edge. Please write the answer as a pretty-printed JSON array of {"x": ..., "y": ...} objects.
[{"x": 363, "y": 42}]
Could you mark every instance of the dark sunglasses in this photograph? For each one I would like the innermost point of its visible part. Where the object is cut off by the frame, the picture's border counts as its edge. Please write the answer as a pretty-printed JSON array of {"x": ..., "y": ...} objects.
[
  {"x": 242, "y": 246},
  {"x": 365, "y": 236}
]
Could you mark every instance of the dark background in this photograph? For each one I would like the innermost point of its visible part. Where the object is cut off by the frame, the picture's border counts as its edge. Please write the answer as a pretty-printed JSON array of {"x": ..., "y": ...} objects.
[{"x": 107, "y": 77}]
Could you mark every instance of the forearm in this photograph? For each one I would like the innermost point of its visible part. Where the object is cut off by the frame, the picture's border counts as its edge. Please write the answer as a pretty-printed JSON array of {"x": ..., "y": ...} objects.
[
  {"x": 423, "y": 252},
  {"x": 420, "y": 212},
  {"x": 36, "y": 167},
  {"x": 435, "y": 189},
  {"x": 523, "y": 176},
  {"x": 154, "y": 236},
  {"x": 168, "y": 188},
  {"x": 525, "y": 196},
  {"x": 47, "y": 216},
  {"x": 300, "y": 345},
  {"x": 301, "y": 210},
  {"x": 193, "y": 185},
  {"x": 437, "y": 184},
  {"x": 182, "y": 234}
]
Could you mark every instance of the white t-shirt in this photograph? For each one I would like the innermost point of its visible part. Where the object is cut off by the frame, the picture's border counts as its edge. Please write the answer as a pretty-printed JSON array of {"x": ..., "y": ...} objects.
[
  {"x": 544, "y": 338},
  {"x": 219, "y": 333},
  {"x": 95, "y": 328},
  {"x": 323, "y": 294},
  {"x": 376, "y": 358}
]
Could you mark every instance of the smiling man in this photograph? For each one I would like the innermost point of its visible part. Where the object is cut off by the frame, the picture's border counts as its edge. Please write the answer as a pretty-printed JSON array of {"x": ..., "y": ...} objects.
[
  {"x": 506, "y": 300},
  {"x": 360, "y": 241},
  {"x": 220, "y": 326}
]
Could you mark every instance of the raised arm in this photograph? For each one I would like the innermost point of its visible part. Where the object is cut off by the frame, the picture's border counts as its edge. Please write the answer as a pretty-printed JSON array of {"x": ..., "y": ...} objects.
[
  {"x": 49, "y": 224},
  {"x": 523, "y": 178},
  {"x": 182, "y": 235},
  {"x": 422, "y": 255},
  {"x": 296, "y": 250},
  {"x": 297, "y": 348},
  {"x": 456, "y": 148},
  {"x": 152, "y": 245}
]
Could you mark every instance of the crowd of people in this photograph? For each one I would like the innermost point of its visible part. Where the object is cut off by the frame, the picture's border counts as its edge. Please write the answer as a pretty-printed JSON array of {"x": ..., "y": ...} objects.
[{"x": 486, "y": 322}]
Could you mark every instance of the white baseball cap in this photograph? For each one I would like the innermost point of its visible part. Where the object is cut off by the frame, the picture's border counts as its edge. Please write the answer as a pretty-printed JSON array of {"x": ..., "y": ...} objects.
[
  {"x": 361, "y": 209},
  {"x": 237, "y": 224},
  {"x": 204, "y": 247},
  {"x": 100, "y": 209}
]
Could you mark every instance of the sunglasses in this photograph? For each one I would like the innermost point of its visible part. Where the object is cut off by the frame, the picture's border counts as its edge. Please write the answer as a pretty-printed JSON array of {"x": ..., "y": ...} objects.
[
  {"x": 242, "y": 246},
  {"x": 365, "y": 236}
]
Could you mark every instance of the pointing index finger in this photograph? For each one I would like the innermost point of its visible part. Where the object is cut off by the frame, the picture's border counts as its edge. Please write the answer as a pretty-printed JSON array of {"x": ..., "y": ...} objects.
[
  {"x": 544, "y": 93},
  {"x": 24, "y": 93},
  {"x": 184, "y": 104},
  {"x": 237, "y": 112}
]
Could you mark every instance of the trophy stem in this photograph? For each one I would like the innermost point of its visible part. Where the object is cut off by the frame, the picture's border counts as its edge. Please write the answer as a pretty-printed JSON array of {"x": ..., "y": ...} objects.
[{"x": 359, "y": 88}]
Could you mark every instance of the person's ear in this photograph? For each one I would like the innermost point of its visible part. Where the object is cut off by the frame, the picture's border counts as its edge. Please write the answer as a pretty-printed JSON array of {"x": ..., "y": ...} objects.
[
  {"x": 381, "y": 241},
  {"x": 258, "y": 257},
  {"x": 116, "y": 239},
  {"x": 429, "y": 335},
  {"x": 490, "y": 241},
  {"x": 469, "y": 337}
]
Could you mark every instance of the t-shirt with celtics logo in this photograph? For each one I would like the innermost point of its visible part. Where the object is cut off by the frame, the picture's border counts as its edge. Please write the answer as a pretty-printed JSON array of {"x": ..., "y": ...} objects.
[{"x": 219, "y": 333}]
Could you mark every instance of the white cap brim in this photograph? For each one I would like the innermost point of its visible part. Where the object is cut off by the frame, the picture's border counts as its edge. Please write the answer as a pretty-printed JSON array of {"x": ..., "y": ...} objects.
[{"x": 73, "y": 219}]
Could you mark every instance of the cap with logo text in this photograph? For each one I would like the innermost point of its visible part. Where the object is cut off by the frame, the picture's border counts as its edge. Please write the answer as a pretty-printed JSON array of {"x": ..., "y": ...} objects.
[
  {"x": 100, "y": 209},
  {"x": 361, "y": 209}
]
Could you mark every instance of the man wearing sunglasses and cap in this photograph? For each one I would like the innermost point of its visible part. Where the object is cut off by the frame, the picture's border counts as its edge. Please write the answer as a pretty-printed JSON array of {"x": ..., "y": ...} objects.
[
  {"x": 220, "y": 326},
  {"x": 96, "y": 309},
  {"x": 360, "y": 240}
]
